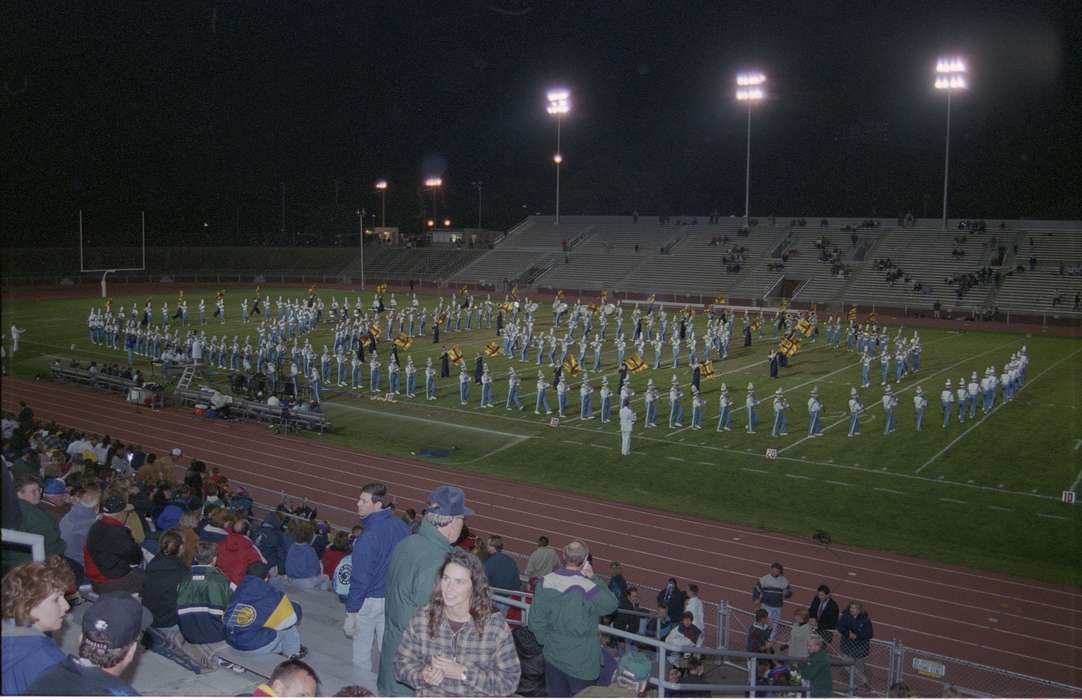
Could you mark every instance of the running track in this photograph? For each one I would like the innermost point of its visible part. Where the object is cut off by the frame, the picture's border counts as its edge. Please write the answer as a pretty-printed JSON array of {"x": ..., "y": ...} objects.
[{"x": 1016, "y": 624}]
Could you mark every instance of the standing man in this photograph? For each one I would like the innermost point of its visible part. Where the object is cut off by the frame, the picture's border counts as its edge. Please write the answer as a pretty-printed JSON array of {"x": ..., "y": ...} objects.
[
  {"x": 627, "y": 422},
  {"x": 370, "y": 560},
  {"x": 16, "y": 333},
  {"x": 854, "y": 412},
  {"x": 566, "y": 607},
  {"x": 947, "y": 398},
  {"x": 919, "y": 404},
  {"x": 815, "y": 428},
  {"x": 889, "y": 403},
  {"x": 412, "y": 573},
  {"x": 770, "y": 591}
]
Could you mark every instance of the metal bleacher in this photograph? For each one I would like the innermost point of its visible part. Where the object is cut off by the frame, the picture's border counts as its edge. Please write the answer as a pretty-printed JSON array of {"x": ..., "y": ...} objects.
[{"x": 1038, "y": 290}]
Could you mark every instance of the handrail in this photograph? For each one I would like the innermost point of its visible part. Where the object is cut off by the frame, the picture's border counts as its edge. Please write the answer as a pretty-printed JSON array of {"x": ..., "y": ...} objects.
[
  {"x": 35, "y": 541},
  {"x": 662, "y": 648}
]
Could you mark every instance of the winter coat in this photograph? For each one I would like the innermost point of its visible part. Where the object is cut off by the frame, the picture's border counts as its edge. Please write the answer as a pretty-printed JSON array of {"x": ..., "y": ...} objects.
[
  {"x": 371, "y": 557},
  {"x": 268, "y": 538},
  {"x": 110, "y": 550},
  {"x": 257, "y": 613},
  {"x": 235, "y": 553},
  {"x": 27, "y": 653},
  {"x": 532, "y": 660},
  {"x": 564, "y": 617},
  {"x": 202, "y": 597},
  {"x": 163, "y": 575},
  {"x": 861, "y": 625}
]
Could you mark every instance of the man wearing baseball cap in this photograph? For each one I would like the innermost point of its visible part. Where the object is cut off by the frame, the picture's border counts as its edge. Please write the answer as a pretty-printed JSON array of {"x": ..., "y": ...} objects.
[
  {"x": 412, "y": 574},
  {"x": 112, "y": 557},
  {"x": 111, "y": 631},
  {"x": 629, "y": 681}
]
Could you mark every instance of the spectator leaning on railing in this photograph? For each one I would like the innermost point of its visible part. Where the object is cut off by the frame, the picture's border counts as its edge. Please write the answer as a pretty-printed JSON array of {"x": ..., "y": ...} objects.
[{"x": 564, "y": 616}]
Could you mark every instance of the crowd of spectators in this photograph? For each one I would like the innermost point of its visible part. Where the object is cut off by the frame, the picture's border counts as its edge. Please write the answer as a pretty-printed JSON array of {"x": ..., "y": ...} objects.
[{"x": 168, "y": 555}]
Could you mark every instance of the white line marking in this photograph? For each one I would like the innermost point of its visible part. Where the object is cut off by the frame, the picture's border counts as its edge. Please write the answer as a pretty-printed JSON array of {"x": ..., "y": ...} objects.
[
  {"x": 952, "y": 500},
  {"x": 600, "y": 447},
  {"x": 757, "y": 471},
  {"x": 1000, "y": 508},
  {"x": 1077, "y": 479},
  {"x": 837, "y": 483},
  {"x": 708, "y": 464},
  {"x": 572, "y": 442},
  {"x": 403, "y": 416},
  {"x": 986, "y": 416},
  {"x": 677, "y": 459},
  {"x": 798, "y": 476},
  {"x": 508, "y": 446},
  {"x": 900, "y": 493},
  {"x": 1054, "y": 517}
]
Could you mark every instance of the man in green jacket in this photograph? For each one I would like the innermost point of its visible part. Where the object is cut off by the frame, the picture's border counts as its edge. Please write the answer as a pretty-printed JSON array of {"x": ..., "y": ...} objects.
[
  {"x": 816, "y": 670},
  {"x": 564, "y": 616},
  {"x": 412, "y": 574},
  {"x": 34, "y": 520}
]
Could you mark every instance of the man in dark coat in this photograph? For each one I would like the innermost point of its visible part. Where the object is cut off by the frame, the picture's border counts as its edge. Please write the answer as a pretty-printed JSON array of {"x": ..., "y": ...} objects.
[
  {"x": 445, "y": 364},
  {"x": 478, "y": 369}
]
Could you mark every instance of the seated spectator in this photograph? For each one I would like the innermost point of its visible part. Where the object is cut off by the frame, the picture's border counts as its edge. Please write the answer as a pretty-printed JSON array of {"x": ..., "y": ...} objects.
[
  {"x": 270, "y": 540},
  {"x": 236, "y": 552},
  {"x": 290, "y": 679},
  {"x": 340, "y": 547},
  {"x": 662, "y": 618},
  {"x": 800, "y": 634},
  {"x": 202, "y": 597},
  {"x": 673, "y": 599},
  {"x": 166, "y": 514},
  {"x": 458, "y": 645},
  {"x": 261, "y": 620},
  {"x": 219, "y": 522},
  {"x": 617, "y": 582},
  {"x": 54, "y": 499},
  {"x": 151, "y": 472},
  {"x": 33, "y": 608},
  {"x": 531, "y": 683},
  {"x": 627, "y": 621},
  {"x": 76, "y": 524},
  {"x": 160, "y": 581},
  {"x": 37, "y": 521},
  {"x": 189, "y": 522},
  {"x": 758, "y": 639},
  {"x": 302, "y": 564},
  {"x": 111, "y": 631}
]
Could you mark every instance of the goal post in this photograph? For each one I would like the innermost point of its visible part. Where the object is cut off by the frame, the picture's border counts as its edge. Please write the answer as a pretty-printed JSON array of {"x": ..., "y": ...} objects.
[{"x": 105, "y": 271}]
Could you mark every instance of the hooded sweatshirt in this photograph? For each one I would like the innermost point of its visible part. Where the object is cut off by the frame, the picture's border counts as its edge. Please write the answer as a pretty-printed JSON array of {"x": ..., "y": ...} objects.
[
  {"x": 235, "y": 553},
  {"x": 74, "y": 527}
]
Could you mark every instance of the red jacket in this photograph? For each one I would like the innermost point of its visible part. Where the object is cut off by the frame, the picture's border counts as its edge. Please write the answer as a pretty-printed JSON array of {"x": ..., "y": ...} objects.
[
  {"x": 330, "y": 560},
  {"x": 235, "y": 553}
]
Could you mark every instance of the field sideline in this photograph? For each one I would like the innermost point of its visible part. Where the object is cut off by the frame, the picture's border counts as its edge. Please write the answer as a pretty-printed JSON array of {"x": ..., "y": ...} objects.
[{"x": 985, "y": 493}]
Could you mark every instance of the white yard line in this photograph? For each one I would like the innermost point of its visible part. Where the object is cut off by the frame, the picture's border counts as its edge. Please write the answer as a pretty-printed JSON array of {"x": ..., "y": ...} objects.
[
  {"x": 431, "y": 421},
  {"x": 1052, "y": 517},
  {"x": 1077, "y": 480},
  {"x": 988, "y": 415},
  {"x": 899, "y": 493}
]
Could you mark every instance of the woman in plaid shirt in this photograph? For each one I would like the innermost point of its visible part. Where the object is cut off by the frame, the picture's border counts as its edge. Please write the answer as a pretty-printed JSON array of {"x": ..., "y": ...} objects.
[{"x": 458, "y": 644}]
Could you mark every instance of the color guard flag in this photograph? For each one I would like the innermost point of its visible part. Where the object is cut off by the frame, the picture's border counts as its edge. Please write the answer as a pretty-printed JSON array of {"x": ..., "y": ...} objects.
[
  {"x": 455, "y": 354},
  {"x": 651, "y": 298},
  {"x": 492, "y": 349},
  {"x": 706, "y": 369},
  {"x": 571, "y": 365},
  {"x": 403, "y": 341},
  {"x": 872, "y": 317},
  {"x": 853, "y": 314},
  {"x": 374, "y": 329},
  {"x": 720, "y": 300},
  {"x": 804, "y": 327}
]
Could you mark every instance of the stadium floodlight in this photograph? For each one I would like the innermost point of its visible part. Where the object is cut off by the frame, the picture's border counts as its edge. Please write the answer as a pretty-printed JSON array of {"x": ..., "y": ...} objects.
[
  {"x": 381, "y": 185},
  {"x": 361, "y": 213},
  {"x": 750, "y": 88},
  {"x": 434, "y": 183},
  {"x": 559, "y": 104},
  {"x": 950, "y": 76}
]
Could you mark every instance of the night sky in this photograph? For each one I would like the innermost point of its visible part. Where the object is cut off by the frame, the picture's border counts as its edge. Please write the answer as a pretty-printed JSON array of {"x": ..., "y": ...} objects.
[{"x": 197, "y": 111}]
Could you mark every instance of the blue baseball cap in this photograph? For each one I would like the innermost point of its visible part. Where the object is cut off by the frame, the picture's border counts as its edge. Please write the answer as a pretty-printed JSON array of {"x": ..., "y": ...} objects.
[
  {"x": 54, "y": 487},
  {"x": 448, "y": 500}
]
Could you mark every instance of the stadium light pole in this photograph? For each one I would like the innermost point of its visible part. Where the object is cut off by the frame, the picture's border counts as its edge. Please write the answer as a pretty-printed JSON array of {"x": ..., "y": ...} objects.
[
  {"x": 382, "y": 187},
  {"x": 950, "y": 76},
  {"x": 434, "y": 183},
  {"x": 750, "y": 88},
  {"x": 559, "y": 104},
  {"x": 478, "y": 184},
  {"x": 360, "y": 230}
]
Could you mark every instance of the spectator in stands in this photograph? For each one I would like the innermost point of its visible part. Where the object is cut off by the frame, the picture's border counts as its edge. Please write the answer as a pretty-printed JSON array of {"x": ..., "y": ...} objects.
[
  {"x": 202, "y": 597},
  {"x": 112, "y": 557},
  {"x": 458, "y": 644},
  {"x": 629, "y": 681},
  {"x": 543, "y": 561},
  {"x": 694, "y": 605},
  {"x": 290, "y": 679},
  {"x": 76, "y": 524},
  {"x": 168, "y": 516},
  {"x": 111, "y": 631},
  {"x": 660, "y": 624},
  {"x": 189, "y": 521},
  {"x": 151, "y": 472},
  {"x": 617, "y": 582},
  {"x": 564, "y": 615},
  {"x": 270, "y": 540},
  {"x": 33, "y": 608},
  {"x": 800, "y": 633},
  {"x": 823, "y": 611},
  {"x": 163, "y": 574},
  {"x": 502, "y": 570},
  {"x": 260, "y": 619},
  {"x": 302, "y": 562},
  {"x": 236, "y": 552},
  {"x": 54, "y": 500},
  {"x": 340, "y": 548},
  {"x": 371, "y": 556},
  {"x": 218, "y": 525},
  {"x": 770, "y": 592},
  {"x": 627, "y": 621},
  {"x": 856, "y": 632},
  {"x": 816, "y": 670},
  {"x": 412, "y": 573},
  {"x": 673, "y": 599},
  {"x": 37, "y": 521}
]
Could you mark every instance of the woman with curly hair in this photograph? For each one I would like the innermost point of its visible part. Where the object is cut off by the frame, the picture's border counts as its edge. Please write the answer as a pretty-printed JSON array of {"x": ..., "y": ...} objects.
[
  {"x": 33, "y": 608},
  {"x": 458, "y": 644}
]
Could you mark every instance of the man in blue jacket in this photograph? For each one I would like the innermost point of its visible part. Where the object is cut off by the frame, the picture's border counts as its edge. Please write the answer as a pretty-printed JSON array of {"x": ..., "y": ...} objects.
[
  {"x": 262, "y": 620},
  {"x": 368, "y": 580}
]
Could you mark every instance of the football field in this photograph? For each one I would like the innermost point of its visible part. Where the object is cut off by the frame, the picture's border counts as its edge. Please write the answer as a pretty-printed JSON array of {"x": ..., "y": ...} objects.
[{"x": 984, "y": 493}]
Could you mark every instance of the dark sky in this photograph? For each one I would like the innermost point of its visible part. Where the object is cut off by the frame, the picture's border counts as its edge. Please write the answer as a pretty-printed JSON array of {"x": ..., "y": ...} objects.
[{"x": 197, "y": 111}]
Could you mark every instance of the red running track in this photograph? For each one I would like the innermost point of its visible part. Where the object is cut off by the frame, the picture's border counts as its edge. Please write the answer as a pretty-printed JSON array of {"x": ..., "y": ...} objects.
[{"x": 1020, "y": 625}]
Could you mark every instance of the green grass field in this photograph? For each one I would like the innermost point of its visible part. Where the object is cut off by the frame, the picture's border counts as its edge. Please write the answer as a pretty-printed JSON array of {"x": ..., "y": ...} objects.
[{"x": 984, "y": 494}]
